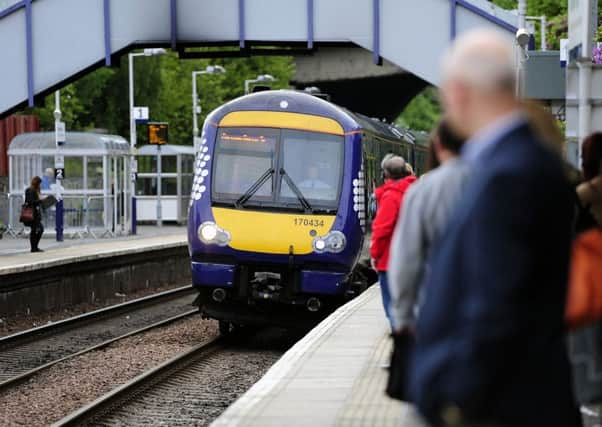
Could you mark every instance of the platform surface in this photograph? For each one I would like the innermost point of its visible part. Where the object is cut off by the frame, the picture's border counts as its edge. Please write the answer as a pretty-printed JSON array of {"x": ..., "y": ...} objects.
[
  {"x": 16, "y": 258},
  {"x": 332, "y": 377}
]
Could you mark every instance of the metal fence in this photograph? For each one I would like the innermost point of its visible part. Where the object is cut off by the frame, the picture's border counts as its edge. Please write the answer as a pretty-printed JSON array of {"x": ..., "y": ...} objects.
[{"x": 83, "y": 215}]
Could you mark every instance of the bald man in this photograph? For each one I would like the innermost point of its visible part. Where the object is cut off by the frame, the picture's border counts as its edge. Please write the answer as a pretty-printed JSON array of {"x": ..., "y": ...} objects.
[{"x": 490, "y": 335}]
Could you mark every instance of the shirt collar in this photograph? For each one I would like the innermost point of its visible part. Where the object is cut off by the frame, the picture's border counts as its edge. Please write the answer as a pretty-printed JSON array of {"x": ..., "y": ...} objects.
[{"x": 490, "y": 135}]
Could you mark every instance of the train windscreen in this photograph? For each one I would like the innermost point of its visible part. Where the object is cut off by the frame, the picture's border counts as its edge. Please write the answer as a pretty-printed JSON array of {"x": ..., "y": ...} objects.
[
  {"x": 283, "y": 168},
  {"x": 314, "y": 163}
]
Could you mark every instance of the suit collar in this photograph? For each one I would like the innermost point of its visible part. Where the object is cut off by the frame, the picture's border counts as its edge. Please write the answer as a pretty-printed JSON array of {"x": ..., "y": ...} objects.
[{"x": 488, "y": 137}]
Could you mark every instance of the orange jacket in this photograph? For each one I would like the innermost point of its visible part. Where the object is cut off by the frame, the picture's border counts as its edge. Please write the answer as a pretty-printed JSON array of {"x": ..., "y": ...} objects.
[{"x": 584, "y": 299}]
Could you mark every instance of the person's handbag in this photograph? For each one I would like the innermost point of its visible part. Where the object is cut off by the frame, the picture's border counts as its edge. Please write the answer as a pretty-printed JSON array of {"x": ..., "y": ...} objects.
[
  {"x": 27, "y": 214},
  {"x": 397, "y": 385},
  {"x": 584, "y": 299}
]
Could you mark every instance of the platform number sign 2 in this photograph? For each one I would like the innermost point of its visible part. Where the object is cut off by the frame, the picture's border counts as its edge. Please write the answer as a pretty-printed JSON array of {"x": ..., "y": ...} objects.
[{"x": 59, "y": 173}]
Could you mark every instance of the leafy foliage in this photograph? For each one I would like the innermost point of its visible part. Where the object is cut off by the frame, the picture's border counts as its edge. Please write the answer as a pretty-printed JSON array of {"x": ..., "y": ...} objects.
[
  {"x": 423, "y": 112},
  {"x": 100, "y": 100}
]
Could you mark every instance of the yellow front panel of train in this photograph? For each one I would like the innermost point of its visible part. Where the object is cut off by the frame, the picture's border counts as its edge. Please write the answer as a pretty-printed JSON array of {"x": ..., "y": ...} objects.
[{"x": 272, "y": 233}]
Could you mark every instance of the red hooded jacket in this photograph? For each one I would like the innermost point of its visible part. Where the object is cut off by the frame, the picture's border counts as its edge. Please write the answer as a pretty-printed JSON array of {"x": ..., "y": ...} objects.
[{"x": 389, "y": 197}]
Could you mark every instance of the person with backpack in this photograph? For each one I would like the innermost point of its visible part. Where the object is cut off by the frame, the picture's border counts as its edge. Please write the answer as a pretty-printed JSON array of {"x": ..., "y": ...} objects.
[{"x": 584, "y": 301}]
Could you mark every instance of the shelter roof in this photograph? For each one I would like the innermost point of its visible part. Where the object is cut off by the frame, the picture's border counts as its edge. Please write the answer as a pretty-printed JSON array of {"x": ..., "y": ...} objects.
[{"x": 77, "y": 143}]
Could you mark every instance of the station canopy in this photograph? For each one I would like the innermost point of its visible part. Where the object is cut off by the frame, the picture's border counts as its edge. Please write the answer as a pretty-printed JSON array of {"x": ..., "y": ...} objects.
[
  {"x": 77, "y": 143},
  {"x": 95, "y": 174}
]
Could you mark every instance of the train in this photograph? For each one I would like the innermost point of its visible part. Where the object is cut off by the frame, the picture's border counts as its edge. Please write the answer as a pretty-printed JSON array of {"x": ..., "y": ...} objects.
[{"x": 279, "y": 210}]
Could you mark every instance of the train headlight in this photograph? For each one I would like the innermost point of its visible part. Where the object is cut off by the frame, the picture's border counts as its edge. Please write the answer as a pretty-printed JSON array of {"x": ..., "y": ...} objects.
[
  {"x": 319, "y": 244},
  {"x": 334, "y": 242},
  {"x": 210, "y": 233}
]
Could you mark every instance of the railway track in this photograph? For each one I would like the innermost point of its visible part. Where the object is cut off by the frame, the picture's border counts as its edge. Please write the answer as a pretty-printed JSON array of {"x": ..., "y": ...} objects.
[
  {"x": 26, "y": 353},
  {"x": 192, "y": 388}
]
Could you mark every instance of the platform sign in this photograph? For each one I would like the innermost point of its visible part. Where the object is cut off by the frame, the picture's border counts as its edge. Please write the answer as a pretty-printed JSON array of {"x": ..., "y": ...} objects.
[
  {"x": 59, "y": 173},
  {"x": 157, "y": 133},
  {"x": 140, "y": 114},
  {"x": 60, "y": 133},
  {"x": 59, "y": 161}
]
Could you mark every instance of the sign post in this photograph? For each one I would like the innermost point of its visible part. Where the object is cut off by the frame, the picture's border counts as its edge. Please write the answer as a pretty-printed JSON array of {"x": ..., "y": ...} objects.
[
  {"x": 60, "y": 136},
  {"x": 583, "y": 17},
  {"x": 158, "y": 135}
]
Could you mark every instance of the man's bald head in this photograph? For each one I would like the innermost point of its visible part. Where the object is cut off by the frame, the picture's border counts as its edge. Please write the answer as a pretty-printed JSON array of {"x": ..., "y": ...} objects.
[
  {"x": 482, "y": 59},
  {"x": 478, "y": 81}
]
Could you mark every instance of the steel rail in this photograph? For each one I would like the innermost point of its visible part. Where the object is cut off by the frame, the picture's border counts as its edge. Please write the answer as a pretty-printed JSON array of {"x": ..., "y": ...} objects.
[
  {"x": 43, "y": 332},
  {"x": 23, "y": 376},
  {"x": 119, "y": 396},
  {"x": 82, "y": 319}
]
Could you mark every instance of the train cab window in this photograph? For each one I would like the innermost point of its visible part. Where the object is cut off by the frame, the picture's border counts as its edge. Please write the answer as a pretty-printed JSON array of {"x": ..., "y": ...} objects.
[
  {"x": 314, "y": 163},
  {"x": 243, "y": 157}
]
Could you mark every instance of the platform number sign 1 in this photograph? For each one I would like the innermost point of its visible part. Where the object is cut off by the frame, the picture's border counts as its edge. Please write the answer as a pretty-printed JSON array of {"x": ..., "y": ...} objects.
[{"x": 157, "y": 133}]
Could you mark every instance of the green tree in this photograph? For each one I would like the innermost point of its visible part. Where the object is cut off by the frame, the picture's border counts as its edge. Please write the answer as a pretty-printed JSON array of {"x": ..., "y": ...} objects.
[
  {"x": 423, "y": 112},
  {"x": 100, "y": 100}
]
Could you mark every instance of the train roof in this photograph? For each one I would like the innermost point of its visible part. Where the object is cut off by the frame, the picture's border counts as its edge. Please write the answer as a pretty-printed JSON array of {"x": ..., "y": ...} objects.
[{"x": 301, "y": 102}]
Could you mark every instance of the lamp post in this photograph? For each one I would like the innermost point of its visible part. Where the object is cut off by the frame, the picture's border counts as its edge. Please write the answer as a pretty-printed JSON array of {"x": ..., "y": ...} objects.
[
  {"x": 196, "y": 108},
  {"x": 262, "y": 78},
  {"x": 131, "y": 56},
  {"x": 543, "y": 21},
  {"x": 522, "y": 40}
]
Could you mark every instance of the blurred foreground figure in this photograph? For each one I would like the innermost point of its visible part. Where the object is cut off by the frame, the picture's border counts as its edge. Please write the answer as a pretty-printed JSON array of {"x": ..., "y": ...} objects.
[
  {"x": 426, "y": 211},
  {"x": 584, "y": 305},
  {"x": 490, "y": 335}
]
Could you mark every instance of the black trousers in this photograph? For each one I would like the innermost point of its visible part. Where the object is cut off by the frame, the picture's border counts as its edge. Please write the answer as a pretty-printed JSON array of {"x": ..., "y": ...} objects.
[{"x": 37, "y": 229}]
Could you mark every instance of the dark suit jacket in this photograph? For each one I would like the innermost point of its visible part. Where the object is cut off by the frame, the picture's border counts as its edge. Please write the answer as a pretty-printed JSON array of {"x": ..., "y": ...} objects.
[{"x": 490, "y": 335}]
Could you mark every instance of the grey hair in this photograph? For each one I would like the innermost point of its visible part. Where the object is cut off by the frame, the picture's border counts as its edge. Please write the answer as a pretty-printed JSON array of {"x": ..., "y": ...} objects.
[
  {"x": 483, "y": 59},
  {"x": 394, "y": 167},
  {"x": 384, "y": 160}
]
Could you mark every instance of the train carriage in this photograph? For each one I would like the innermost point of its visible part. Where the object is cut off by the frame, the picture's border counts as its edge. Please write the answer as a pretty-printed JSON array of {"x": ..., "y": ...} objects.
[{"x": 279, "y": 206}]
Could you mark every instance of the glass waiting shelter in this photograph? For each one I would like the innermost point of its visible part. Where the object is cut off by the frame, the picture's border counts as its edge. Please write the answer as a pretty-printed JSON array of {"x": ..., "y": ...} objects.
[
  {"x": 176, "y": 182},
  {"x": 95, "y": 183}
]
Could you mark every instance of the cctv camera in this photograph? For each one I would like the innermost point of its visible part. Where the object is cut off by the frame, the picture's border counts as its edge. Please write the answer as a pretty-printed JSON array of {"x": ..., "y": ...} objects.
[{"x": 522, "y": 37}]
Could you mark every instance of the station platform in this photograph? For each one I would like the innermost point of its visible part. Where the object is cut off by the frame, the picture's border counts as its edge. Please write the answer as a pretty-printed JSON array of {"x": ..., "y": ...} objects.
[
  {"x": 89, "y": 271},
  {"x": 15, "y": 256},
  {"x": 334, "y": 376}
]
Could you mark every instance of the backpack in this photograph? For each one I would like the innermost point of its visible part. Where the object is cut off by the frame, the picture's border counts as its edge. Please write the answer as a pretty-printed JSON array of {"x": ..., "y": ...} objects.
[{"x": 584, "y": 299}]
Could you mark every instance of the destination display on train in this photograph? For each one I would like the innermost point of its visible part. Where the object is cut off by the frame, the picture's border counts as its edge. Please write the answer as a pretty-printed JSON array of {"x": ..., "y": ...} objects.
[{"x": 157, "y": 133}]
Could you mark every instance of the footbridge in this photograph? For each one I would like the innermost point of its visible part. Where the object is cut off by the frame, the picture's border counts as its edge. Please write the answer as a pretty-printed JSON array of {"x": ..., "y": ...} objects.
[{"x": 47, "y": 43}]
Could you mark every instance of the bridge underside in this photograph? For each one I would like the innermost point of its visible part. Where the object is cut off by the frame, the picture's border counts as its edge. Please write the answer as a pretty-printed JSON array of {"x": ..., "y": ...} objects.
[
  {"x": 349, "y": 75},
  {"x": 383, "y": 97}
]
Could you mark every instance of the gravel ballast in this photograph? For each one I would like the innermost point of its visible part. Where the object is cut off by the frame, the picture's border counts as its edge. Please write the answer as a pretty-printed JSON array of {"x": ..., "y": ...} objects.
[{"x": 65, "y": 387}]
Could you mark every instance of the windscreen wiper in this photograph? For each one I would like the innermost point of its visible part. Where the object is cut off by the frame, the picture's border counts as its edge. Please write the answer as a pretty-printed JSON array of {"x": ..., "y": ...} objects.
[
  {"x": 253, "y": 189},
  {"x": 296, "y": 190}
]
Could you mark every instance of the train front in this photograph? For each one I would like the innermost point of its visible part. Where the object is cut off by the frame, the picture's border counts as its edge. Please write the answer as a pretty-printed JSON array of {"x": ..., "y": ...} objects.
[{"x": 276, "y": 217}]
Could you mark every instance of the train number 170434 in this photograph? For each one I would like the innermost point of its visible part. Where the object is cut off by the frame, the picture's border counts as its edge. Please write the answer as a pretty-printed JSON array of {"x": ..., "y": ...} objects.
[{"x": 307, "y": 222}]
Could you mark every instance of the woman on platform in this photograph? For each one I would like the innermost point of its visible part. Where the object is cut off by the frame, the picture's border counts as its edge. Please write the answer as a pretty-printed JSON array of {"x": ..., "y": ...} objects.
[{"x": 33, "y": 200}]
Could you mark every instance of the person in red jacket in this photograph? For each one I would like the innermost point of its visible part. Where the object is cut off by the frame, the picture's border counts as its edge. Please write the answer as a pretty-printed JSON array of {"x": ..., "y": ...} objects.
[{"x": 389, "y": 197}]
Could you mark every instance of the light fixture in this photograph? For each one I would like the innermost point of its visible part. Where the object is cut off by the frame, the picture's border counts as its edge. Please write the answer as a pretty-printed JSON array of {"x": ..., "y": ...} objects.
[
  {"x": 209, "y": 233},
  {"x": 334, "y": 242}
]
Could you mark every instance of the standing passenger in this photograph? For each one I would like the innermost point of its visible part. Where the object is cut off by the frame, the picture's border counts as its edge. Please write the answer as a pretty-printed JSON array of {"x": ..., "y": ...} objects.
[
  {"x": 426, "y": 210},
  {"x": 388, "y": 200},
  {"x": 32, "y": 200},
  {"x": 585, "y": 293},
  {"x": 490, "y": 335}
]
